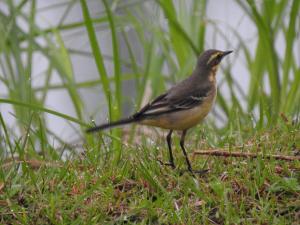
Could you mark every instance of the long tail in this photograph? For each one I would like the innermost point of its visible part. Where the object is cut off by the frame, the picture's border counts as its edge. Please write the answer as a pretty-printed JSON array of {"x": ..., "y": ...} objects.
[{"x": 112, "y": 124}]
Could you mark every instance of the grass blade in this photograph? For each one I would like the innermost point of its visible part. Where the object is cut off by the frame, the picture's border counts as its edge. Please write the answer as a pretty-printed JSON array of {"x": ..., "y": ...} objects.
[
  {"x": 43, "y": 109},
  {"x": 97, "y": 54}
]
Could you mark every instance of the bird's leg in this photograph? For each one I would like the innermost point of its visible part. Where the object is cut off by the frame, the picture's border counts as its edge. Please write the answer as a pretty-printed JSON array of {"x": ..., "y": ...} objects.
[
  {"x": 186, "y": 156},
  {"x": 184, "y": 152},
  {"x": 171, "y": 159},
  {"x": 169, "y": 141}
]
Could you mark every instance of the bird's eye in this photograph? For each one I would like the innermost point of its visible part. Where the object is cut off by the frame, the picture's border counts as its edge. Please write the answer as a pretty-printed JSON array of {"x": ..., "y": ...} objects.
[
  {"x": 214, "y": 59},
  {"x": 218, "y": 58}
]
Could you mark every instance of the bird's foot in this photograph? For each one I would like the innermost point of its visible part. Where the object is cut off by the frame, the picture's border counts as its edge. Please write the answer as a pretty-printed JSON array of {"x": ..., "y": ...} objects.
[
  {"x": 200, "y": 172},
  {"x": 194, "y": 172},
  {"x": 171, "y": 164}
]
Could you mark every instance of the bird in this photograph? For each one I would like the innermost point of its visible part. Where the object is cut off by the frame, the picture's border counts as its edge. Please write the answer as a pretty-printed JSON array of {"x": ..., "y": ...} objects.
[{"x": 181, "y": 107}]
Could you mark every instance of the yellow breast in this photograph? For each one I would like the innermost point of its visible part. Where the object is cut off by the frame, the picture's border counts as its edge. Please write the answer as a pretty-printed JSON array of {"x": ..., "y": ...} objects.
[{"x": 183, "y": 119}]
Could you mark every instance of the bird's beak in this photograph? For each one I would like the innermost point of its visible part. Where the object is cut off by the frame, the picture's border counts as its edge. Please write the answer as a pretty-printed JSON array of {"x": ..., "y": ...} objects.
[{"x": 226, "y": 53}]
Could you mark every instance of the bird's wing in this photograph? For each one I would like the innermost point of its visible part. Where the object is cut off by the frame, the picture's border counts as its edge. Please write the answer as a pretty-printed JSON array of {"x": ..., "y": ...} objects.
[
  {"x": 170, "y": 102},
  {"x": 157, "y": 104},
  {"x": 189, "y": 101}
]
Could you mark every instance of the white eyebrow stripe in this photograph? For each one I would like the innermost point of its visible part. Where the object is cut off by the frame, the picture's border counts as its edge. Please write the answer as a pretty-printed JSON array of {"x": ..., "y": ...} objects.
[{"x": 213, "y": 56}]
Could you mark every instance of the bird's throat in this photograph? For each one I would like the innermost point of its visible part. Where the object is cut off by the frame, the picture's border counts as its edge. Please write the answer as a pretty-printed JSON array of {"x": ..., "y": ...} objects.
[{"x": 212, "y": 75}]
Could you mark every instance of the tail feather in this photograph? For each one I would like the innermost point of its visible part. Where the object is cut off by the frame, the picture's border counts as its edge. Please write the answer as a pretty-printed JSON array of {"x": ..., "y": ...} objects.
[{"x": 111, "y": 124}]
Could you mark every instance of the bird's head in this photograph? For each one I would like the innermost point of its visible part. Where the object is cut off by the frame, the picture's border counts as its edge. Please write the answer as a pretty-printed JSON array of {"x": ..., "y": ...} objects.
[{"x": 210, "y": 59}]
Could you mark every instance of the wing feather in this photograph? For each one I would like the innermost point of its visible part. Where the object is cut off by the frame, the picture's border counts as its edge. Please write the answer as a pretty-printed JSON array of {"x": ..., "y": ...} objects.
[{"x": 165, "y": 104}]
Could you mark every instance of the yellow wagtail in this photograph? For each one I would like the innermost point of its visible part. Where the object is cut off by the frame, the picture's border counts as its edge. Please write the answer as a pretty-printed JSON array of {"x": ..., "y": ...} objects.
[{"x": 182, "y": 106}]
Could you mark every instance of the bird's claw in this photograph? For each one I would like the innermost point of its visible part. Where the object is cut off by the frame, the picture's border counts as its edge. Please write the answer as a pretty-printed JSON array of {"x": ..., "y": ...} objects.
[
  {"x": 172, "y": 165},
  {"x": 194, "y": 172}
]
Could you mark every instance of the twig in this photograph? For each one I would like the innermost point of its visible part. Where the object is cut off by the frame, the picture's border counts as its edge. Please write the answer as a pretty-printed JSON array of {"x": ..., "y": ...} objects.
[{"x": 245, "y": 155}]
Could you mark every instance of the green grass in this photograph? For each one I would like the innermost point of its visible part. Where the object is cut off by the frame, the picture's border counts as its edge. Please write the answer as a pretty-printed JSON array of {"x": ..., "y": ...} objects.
[
  {"x": 115, "y": 177},
  {"x": 89, "y": 189}
]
